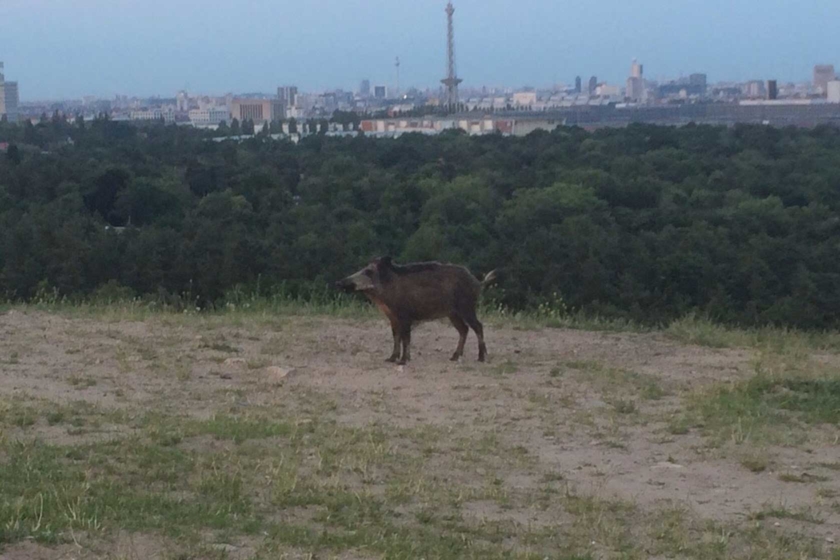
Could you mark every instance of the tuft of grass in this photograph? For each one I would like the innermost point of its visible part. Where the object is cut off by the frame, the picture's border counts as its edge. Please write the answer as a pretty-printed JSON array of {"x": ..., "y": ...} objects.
[
  {"x": 506, "y": 368},
  {"x": 755, "y": 463},
  {"x": 678, "y": 426},
  {"x": 220, "y": 347},
  {"x": 804, "y": 478},
  {"x": 81, "y": 381},
  {"x": 783, "y": 513},
  {"x": 623, "y": 406}
]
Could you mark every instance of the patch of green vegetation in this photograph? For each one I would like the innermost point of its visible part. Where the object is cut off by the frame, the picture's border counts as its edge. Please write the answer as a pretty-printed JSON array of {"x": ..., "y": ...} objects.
[
  {"x": 506, "y": 368},
  {"x": 784, "y": 513},
  {"x": 786, "y": 394},
  {"x": 220, "y": 347},
  {"x": 804, "y": 478},
  {"x": 240, "y": 429},
  {"x": 81, "y": 381},
  {"x": 624, "y": 406},
  {"x": 755, "y": 462},
  {"x": 704, "y": 332},
  {"x": 611, "y": 380}
]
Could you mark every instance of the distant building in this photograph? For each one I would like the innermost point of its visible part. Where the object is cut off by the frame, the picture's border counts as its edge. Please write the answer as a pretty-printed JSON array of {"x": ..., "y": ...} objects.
[
  {"x": 525, "y": 99},
  {"x": 182, "y": 102},
  {"x": 152, "y": 115},
  {"x": 754, "y": 89},
  {"x": 380, "y": 92},
  {"x": 833, "y": 91},
  {"x": 823, "y": 73},
  {"x": 258, "y": 110},
  {"x": 593, "y": 85},
  {"x": 578, "y": 84},
  {"x": 9, "y": 98},
  {"x": 209, "y": 117},
  {"x": 772, "y": 89},
  {"x": 288, "y": 96},
  {"x": 698, "y": 82},
  {"x": 364, "y": 88},
  {"x": 636, "y": 69},
  {"x": 605, "y": 90}
]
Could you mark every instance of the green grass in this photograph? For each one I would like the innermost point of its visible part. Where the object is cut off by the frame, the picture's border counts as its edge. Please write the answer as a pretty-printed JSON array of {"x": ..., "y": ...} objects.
[
  {"x": 311, "y": 484},
  {"x": 786, "y": 394},
  {"x": 783, "y": 513},
  {"x": 703, "y": 332},
  {"x": 755, "y": 462},
  {"x": 610, "y": 380}
]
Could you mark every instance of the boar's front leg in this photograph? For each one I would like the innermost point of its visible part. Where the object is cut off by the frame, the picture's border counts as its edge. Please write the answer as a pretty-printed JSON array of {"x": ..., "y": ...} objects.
[
  {"x": 405, "y": 333},
  {"x": 395, "y": 355}
]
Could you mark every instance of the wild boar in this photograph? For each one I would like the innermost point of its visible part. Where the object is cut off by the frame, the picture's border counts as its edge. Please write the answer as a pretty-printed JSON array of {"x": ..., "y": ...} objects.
[{"x": 411, "y": 293}]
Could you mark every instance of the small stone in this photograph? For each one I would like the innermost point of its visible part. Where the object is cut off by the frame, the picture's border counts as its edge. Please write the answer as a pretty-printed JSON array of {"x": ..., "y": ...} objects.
[
  {"x": 829, "y": 540},
  {"x": 235, "y": 361},
  {"x": 225, "y": 547},
  {"x": 226, "y": 376},
  {"x": 667, "y": 465},
  {"x": 777, "y": 524}
]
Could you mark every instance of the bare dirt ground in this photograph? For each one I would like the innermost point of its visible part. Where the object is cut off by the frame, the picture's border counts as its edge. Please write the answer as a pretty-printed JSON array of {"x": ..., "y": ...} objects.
[{"x": 602, "y": 415}]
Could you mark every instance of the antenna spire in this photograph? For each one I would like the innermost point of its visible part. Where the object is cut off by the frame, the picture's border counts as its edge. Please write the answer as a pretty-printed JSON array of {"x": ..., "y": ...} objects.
[{"x": 452, "y": 80}]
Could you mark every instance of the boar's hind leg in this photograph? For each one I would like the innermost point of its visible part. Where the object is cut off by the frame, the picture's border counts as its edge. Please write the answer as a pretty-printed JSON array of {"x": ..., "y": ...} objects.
[
  {"x": 476, "y": 325},
  {"x": 395, "y": 355},
  {"x": 463, "y": 331},
  {"x": 405, "y": 333}
]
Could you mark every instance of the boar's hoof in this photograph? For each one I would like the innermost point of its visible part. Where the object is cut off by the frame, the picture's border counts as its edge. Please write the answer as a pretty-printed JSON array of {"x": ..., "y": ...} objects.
[
  {"x": 392, "y": 359},
  {"x": 402, "y": 362},
  {"x": 455, "y": 357}
]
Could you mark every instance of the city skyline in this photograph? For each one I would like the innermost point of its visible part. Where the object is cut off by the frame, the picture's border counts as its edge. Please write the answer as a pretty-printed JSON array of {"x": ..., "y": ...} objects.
[{"x": 124, "y": 47}]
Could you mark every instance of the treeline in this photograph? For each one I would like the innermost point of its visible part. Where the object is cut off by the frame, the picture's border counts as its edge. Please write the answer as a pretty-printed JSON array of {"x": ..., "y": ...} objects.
[{"x": 647, "y": 223}]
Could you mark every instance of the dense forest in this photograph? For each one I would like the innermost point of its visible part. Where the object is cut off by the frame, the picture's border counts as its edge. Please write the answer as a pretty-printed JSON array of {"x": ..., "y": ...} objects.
[{"x": 647, "y": 223}]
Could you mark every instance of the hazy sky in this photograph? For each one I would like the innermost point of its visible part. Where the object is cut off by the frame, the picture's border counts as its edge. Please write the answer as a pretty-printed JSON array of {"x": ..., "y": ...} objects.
[{"x": 69, "y": 48}]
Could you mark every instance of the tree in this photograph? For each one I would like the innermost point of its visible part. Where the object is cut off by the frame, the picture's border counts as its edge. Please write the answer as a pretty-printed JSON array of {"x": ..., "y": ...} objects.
[
  {"x": 234, "y": 127},
  {"x": 13, "y": 154}
]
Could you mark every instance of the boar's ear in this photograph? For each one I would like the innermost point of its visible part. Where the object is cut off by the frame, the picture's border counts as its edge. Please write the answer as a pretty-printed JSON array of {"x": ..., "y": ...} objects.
[{"x": 384, "y": 267}]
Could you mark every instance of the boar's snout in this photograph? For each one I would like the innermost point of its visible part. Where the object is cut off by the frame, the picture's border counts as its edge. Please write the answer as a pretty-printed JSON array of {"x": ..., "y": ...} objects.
[{"x": 344, "y": 285}]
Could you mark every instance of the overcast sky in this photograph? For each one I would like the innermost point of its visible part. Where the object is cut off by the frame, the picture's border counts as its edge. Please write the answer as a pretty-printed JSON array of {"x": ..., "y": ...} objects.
[{"x": 70, "y": 48}]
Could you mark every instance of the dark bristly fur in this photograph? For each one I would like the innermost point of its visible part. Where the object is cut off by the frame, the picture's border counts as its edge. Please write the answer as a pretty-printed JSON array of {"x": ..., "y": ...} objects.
[{"x": 415, "y": 292}]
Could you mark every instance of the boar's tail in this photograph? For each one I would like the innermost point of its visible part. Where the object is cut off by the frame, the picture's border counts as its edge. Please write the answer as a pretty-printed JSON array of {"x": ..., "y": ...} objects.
[{"x": 489, "y": 278}]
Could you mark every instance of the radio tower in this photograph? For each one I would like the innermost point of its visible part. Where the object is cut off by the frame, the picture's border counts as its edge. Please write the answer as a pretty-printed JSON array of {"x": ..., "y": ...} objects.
[
  {"x": 397, "y": 64},
  {"x": 451, "y": 81}
]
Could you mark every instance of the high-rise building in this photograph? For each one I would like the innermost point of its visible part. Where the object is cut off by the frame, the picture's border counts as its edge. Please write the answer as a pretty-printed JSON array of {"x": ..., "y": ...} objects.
[
  {"x": 593, "y": 85},
  {"x": 578, "y": 84},
  {"x": 772, "y": 89},
  {"x": 833, "y": 89},
  {"x": 288, "y": 96},
  {"x": 364, "y": 88},
  {"x": 823, "y": 73},
  {"x": 182, "y": 101},
  {"x": 698, "y": 82},
  {"x": 9, "y": 98},
  {"x": 380, "y": 92},
  {"x": 636, "y": 83},
  {"x": 755, "y": 89},
  {"x": 636, "y": 69}
]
